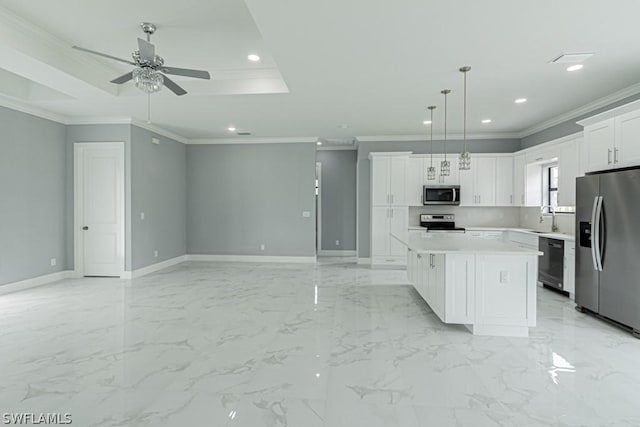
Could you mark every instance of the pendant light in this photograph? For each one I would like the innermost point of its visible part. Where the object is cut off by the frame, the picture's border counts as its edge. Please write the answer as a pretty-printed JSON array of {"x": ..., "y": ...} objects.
[
  {"x": 445, "y": 165},
  {"x": 431, "y": 171},
  {"x": 465, "y": 157}
]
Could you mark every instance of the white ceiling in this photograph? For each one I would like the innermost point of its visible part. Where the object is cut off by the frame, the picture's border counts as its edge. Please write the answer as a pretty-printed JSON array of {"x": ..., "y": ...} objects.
[{"x": 372, "y": 64}]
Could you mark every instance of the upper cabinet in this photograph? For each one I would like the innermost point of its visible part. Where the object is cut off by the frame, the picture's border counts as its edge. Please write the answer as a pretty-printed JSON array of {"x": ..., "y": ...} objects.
[
  {"x": 568, "y": 171},
  {"x": 415, "y": 180},
  {"x": 518, "y": 180},
  {"x": 598, "y": 139},
  {"x": 611, "y": 138},
  {"x": 389, "y": 180},
  {"x": 478, "y": 185},
  {"x": 626, "y": 150},
  {"x": 504, "y": 182}
]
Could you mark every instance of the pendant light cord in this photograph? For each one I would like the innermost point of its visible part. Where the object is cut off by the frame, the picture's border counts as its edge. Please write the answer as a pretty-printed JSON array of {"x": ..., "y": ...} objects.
[
  {"x": 464, "y": 128},
  {"x": 431, "y": 133}
]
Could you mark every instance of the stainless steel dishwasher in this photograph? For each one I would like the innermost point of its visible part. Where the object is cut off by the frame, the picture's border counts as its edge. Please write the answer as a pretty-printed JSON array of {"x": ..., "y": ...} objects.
[{"x": 551, "y": 263}]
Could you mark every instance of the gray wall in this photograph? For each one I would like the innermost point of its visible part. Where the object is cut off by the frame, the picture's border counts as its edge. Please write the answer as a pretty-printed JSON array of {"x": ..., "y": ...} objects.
[
  {"x": 159, "y": 189},
  {"x": 32, "y": 196},
  {"x": 239, "y": 196},
  {"x": 570, "y": 126},
  {"x": 338, "y": 199},
  {"x": 417, "y": 147},
  {"x": 98, "y": 133}
]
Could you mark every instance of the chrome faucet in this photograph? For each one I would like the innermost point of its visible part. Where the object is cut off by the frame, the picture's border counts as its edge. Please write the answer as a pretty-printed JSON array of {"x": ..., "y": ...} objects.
[{"x": 554, "y": 224}]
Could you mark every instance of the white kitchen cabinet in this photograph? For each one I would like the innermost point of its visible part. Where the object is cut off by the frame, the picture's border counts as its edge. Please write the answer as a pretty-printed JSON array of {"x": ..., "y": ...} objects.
[
  {"x": 504, "y": 181},
  {"x": 380, "y": 227},
  {"x": 568, "y": 170},
  {"x": 598, "y": 145},
  {"x": 388, "y": 180},
  {"x": 416, "y": 173},
  {"x": 478, "y": 185},
  {"x": 518, "y": 180},
  {"x": 398, "y": 180},
  {"x": 626, "y": 150},
  {"x": 389, "y": 210},
  {"x": 454, "y": 172},
  {"x": 399, "y": 226},
  {"x": 569, "y": 276}
]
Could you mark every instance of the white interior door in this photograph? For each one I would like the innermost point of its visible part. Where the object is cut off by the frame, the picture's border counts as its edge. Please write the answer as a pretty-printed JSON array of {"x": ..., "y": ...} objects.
[{"x": 100, "y": 202}]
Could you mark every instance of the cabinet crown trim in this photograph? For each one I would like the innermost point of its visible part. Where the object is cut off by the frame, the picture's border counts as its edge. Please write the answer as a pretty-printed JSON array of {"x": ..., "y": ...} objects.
[
  {"x": 390, "y": 154},
  {"x": 609, "y": 114}
]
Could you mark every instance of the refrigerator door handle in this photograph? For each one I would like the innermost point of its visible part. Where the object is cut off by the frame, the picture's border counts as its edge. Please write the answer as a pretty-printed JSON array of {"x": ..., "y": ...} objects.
[
  {"x": 597, "y": 247},
  {"x": 593, "y": 233}
]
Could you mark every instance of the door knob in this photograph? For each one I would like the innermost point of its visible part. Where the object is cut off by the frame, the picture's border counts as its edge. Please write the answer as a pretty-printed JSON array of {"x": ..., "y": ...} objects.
[{"x": 85, "y": 228}]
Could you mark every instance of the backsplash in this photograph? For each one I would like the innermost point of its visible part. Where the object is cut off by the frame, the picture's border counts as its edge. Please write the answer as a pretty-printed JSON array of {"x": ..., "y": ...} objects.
[
  {"x": 530, "y": 218},
  {"x": 496, "y": 217},
  {"x": 470, "y": 217}
]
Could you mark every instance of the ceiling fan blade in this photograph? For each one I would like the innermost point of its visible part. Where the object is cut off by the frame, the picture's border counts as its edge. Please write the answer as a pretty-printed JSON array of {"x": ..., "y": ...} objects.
[
  {"x": 173, "y": 87},
  {"x": 198, "y": 74},
  {"x": 147, "y": 51},
  {"x": 123, "y": 79},
  {"x": 93, "y": 52}
]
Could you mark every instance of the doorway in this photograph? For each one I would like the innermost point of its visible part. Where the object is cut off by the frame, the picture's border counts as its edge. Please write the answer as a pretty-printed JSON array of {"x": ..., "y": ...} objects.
[
  {"x": 99, "y": 222},
  {"x": 318, "y": 208}
]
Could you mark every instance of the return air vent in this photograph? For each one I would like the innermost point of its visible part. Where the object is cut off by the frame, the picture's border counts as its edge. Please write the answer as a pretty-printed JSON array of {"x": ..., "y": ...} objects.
[
  {"x": 244, "y": 133},
  {"x": 571, "y": 58}
]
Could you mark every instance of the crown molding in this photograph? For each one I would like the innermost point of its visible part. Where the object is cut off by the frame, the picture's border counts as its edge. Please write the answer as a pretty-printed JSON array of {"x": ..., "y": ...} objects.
[
  {"x": 235, "y": 141},
  {"x": 160, "y": 131},
  {"x": 27, "y": 108},
  {"x": 439, "y": 137},
  {"x": 585, "y": 109}
]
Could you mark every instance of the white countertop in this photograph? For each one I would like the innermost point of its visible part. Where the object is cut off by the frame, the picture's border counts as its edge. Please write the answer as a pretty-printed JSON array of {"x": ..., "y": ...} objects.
[
  {"x": 459, "y": 243},
  {"x": 561, "y": 236}
]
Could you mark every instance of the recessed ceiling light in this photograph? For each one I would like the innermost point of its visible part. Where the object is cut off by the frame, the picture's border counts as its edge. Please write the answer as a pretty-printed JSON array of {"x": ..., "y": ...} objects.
[
  {"x": 521, "y": 100},
  {"x": 485, "y": 121},
  {"x": 426, "y": 122},
  {"x": 319, "y": 143},
  {"x": 253, "y": 57},
  {"x": 343, "y": 126},
  {"x": 231, "y": 129},
  {"x": 575, "y": 67}
]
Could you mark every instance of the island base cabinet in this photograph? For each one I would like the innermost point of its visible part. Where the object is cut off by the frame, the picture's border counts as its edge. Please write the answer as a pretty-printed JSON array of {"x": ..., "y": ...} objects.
[
  {"x": 489, "y": 294},
  {"x": 505, "y": 300}
]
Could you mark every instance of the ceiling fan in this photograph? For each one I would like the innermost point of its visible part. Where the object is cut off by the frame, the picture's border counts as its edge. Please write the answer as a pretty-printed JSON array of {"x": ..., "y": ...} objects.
[{"x": 147, "y": 75}]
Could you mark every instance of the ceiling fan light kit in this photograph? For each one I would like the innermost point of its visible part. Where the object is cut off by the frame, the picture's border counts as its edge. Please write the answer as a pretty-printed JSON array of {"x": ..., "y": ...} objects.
[{"x": 147, "y": 76}]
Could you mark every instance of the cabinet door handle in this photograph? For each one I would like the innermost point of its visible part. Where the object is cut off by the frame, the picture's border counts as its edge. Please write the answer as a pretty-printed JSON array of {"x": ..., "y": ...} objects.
[
  {"x": 392, "y": 199},
  {"x": 511, "y": 199},
  {"x": 615, "y": 155},
  {"x": 609, "y": 156},
  {"x": 391, "y": 212}
]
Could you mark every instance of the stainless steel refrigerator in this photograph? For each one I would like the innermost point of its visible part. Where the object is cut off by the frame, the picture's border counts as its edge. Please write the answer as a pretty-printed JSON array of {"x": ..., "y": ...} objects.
[{"x": 608, "y": 246}]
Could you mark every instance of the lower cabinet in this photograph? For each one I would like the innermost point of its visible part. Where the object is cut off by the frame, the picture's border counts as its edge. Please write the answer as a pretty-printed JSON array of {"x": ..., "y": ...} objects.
[
  {"x": 491, "y": 294},
  {"x": 569, "y": 279},
  {"x": 385, "y": 250},
  {"x": 445, "y": 282}
]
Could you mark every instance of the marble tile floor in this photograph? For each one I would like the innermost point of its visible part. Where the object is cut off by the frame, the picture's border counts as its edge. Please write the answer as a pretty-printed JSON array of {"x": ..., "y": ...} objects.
[{"x": 333, "y": 344}]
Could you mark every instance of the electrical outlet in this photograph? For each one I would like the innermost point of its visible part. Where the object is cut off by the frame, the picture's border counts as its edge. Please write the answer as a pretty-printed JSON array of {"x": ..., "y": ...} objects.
[
  {"x": 306, "y": 214},
  {"x": 337, "y": 242},
  {"x": 53, "y": 262},
  {"x": 262, "y": 246},
  {"x": 155, "y": 141},
  {"x": 155, "y": 253},
  {"x": 142, "y": 216}
]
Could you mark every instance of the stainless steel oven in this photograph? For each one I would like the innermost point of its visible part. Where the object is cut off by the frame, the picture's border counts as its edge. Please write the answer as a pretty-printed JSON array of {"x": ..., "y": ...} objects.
[{"x": 441, "y": 195}]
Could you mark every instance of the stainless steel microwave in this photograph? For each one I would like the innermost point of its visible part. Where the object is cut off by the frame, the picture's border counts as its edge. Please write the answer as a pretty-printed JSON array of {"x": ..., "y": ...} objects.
[{"x": 441, "y": 195}]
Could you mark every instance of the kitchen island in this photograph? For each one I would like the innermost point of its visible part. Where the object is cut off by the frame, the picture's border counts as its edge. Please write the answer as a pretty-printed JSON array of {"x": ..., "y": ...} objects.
[{"x": 488, "y": 286}]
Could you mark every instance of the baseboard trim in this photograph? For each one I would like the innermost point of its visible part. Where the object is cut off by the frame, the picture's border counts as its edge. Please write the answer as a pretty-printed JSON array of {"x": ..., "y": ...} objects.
[
  {"x": 364, "y": 261},
  {"x": 35, "y": 282},
  {"x": 253, "y": 258},
  {"x": 154, "y": 267},
  {"x": 325, "y": 252}
]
